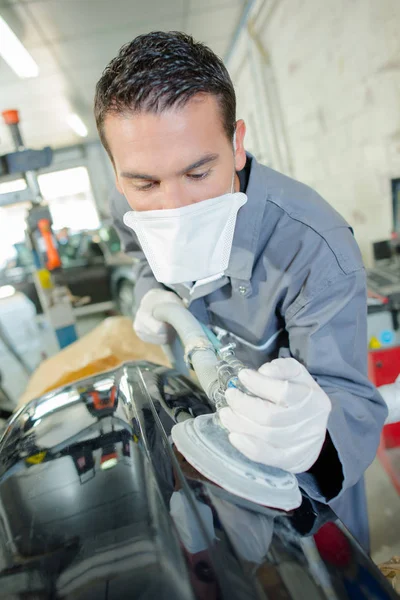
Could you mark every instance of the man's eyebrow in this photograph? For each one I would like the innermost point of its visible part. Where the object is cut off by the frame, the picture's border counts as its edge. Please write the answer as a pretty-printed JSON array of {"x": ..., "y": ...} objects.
[
  {"x": 130, "y": 175},
  {"x": 199, "y": 163}
]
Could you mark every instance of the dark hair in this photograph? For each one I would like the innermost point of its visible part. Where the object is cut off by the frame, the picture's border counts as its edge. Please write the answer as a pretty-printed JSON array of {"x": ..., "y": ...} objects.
[{"x": 159, "y": 70}]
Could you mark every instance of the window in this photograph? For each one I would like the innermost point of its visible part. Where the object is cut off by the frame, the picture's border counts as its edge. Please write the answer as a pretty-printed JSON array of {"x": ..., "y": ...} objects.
[{"x": 70, "y": 198}]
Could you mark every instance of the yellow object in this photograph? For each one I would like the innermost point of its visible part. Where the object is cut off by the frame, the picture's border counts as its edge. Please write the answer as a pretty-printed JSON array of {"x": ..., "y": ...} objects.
[
  {"x": 391, "y": 570},
  {"x": 110, "y": 344},
  {"x": 45, "y": 279},
  {"x": 35, "y": 459},
  {"x": 374, "y": 344}
]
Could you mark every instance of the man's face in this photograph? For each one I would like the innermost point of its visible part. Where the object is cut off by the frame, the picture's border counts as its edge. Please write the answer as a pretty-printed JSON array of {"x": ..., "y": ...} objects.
[{"x": 175, "y": 158}]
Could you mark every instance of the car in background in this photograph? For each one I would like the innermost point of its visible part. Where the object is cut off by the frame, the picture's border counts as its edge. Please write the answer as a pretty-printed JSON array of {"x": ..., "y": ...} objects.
[{"x": 93, "y": 268}]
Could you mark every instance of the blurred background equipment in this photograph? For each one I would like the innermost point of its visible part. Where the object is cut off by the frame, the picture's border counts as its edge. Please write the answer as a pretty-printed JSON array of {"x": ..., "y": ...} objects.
[{"x": 54, "y": 298}]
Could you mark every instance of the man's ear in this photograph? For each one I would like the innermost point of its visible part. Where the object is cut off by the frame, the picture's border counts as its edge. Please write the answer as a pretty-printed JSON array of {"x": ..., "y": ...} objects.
[{"x": 240, "y": 153}]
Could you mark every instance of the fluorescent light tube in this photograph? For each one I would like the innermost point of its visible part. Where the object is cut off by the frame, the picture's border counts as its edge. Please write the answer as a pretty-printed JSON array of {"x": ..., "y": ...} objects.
[
  {"x": 15, "y": 54},
  {"x": 76, "y": 123}
]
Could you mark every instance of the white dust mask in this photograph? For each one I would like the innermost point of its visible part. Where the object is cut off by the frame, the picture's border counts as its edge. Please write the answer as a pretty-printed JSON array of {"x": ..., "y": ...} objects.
[{"x": 190, "y": 243}]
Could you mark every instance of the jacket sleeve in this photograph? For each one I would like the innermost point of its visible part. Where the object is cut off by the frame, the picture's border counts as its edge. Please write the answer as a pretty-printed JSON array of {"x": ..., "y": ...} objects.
[
  {"x": 328, "y": 334},
  {"x": 145, "y": 279}
]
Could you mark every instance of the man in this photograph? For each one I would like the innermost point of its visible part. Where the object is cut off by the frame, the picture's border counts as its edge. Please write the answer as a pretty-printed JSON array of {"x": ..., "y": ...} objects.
[
  {"x": 251, "y": 252},
  {"x": 63, "y": 237}
]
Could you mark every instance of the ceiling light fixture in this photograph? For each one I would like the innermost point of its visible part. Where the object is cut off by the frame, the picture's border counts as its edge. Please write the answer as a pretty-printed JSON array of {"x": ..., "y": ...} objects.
[{"x": 15, "y": 54}]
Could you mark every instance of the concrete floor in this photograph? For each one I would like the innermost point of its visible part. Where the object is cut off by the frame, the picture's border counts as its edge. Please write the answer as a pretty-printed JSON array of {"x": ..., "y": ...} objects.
[{"x": 383, "y": 501}]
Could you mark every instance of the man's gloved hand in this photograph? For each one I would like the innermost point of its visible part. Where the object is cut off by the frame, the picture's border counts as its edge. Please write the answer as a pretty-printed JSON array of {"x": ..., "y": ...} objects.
[
  {"x": 145, "y": 325},
  {"x": 285, "y": 425}
]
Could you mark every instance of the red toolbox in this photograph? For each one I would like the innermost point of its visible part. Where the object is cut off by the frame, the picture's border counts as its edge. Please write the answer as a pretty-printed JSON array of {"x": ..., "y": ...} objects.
[{"x": 383, "y": 368}]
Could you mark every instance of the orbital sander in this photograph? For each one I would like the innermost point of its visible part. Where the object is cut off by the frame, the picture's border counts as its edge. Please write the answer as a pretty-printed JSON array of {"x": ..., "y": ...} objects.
[{"x": 203, "y": 440}]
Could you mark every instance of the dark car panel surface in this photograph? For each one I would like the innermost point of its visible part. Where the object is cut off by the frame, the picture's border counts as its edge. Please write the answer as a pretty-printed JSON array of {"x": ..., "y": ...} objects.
[{"x": 95, "y": 503}]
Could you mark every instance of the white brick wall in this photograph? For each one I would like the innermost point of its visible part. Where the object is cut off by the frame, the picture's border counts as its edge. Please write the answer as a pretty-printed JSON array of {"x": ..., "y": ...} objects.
[{"x": 336, "y": 65}]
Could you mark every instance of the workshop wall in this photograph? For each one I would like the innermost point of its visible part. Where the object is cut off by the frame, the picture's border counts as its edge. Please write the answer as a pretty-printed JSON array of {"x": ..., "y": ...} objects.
[{"x": 334, "y": 78}]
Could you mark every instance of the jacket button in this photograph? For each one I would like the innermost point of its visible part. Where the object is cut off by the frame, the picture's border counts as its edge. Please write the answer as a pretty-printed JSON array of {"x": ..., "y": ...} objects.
[{"x": 242, "y": 290}]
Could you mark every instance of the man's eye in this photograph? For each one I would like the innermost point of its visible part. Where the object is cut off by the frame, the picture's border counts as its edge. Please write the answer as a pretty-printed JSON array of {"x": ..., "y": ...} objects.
[
  {"x": 146, "y": 187},
  {"x": 197, "y": 176}
]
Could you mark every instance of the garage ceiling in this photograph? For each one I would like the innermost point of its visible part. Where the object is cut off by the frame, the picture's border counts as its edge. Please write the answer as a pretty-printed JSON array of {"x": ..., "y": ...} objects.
[{"x": 73, "y": 40}]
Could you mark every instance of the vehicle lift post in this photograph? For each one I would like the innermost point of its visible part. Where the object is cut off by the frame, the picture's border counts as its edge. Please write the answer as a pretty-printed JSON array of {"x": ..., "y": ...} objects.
[{"x": 53, "y": 296}]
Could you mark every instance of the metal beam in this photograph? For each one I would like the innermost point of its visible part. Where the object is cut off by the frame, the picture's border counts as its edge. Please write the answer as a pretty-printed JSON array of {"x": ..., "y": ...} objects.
[
  {"x": 241, "y": 25},
  {"x": 16, "y": 197}
]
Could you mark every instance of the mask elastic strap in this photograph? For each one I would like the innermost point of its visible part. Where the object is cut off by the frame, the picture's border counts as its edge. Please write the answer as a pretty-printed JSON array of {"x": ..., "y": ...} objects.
[
  {"x": 234, "y": 155},
  {"x": 233, "y": 181}
]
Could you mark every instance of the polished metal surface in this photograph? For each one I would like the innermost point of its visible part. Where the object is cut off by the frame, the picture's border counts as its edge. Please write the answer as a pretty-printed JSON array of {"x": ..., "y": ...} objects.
[{"x": 95, "y": 503}]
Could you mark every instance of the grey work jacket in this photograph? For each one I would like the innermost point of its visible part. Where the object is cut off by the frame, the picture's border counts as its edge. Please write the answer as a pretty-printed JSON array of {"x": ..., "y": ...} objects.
[{"x": 295, "y": 285}]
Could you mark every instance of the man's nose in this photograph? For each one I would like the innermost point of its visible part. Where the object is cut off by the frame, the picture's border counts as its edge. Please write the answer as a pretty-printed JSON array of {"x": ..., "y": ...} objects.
[{"x": 175, "y": 196}]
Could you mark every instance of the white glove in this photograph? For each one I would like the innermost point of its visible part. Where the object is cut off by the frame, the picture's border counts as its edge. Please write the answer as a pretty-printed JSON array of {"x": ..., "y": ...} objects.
[
  {"x": 251, "y": 532},
  {"x": 285, "y": 425},
  {"x": 191, "y": 530},
  {"x": 145, "y": 325}
]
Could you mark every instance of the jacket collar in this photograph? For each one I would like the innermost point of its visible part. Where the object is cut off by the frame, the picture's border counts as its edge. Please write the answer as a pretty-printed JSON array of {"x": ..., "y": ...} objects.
[
  {"x": 247, "y": 231},
  {"x": 245, "y": 241}
]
